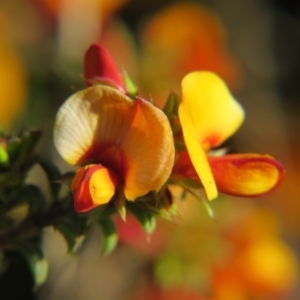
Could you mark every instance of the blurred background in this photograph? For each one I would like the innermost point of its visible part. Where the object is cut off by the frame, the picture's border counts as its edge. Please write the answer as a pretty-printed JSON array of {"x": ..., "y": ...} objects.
[{"x": 251, "y": 249}]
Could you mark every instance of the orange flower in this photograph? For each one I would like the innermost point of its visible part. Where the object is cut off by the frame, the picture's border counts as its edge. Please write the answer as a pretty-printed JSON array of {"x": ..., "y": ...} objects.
[
  {"x": 260, "y": 265},
  {"x": 127, "y": 143},
  {"x": 209, "y": 115}
]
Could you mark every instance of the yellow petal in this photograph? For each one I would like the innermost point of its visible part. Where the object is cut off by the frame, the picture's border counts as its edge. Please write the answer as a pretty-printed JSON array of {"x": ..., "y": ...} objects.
[
  {"x": 132, "y": 138},
  {"x": 246, "y": 174},
  {"x": 212, "y": 114},
  {"x": 93, "y": 185},
  {"x": 102, "y": 185},
  {"x": 198, "y": 158}
]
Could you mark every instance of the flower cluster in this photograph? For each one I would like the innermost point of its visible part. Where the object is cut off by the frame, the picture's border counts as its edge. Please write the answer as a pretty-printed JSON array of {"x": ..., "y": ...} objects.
[{"x": 128, "y": 150}]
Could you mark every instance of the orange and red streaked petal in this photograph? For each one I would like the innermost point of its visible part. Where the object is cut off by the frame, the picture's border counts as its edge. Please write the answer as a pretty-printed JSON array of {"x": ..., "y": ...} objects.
[
  {"x": 208, "y": 110},
  {"x": 149, "y": 150},
  {"x": 246, "y": 174},
  {"x": 100, "y": 68},
  {"x": 93, "y": 185}
]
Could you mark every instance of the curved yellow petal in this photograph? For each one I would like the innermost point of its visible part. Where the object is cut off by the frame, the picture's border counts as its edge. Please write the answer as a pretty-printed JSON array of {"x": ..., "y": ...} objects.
[
  {"x": 246, "y": 174},
  {"x": 198, "y": 157},
  {"x": 93, "y": 185},
  {"x": 131, "y": 137},
  {"x": 212, "y": 114}
]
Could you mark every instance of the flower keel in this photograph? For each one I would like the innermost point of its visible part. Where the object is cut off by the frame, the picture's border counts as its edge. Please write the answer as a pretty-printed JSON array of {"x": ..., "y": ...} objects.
[{"x": 93, "y": 185}]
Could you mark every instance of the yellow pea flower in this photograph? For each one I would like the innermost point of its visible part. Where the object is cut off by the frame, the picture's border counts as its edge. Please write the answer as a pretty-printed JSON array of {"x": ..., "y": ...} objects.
[{"x": 209, "y": 115}]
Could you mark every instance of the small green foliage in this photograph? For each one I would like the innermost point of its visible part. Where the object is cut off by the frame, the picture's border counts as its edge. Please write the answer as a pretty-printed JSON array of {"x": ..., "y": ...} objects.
[
  {"x": 120, "y": 202},
  {"x": 52, "y": 173},
  {"x": 4, "y": 158},
  {"x": 130, "y": 86},
  {"x": 171, "y": 106},
  {"x": 146, "y": 219},
  {"x": 39, "y": 267},
  {"x": 109, "y": 236},
  {"x": 68, "y": 234},
  {"x": 3, "y": 263},
  {"x": 29, "y": 140}
]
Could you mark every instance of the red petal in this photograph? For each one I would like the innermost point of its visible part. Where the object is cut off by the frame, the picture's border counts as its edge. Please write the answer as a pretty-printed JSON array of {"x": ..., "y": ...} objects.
[
  {"x": 246, "y": 174},
  {"x": 99, "y": 67}
]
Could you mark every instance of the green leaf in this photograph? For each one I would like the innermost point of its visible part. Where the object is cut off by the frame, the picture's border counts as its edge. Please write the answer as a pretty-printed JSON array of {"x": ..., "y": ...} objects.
[
  {"x": 172, "y": 104},
  {"x": 39, "y": 268},
  {"x": 146, "y": 219},
  {"x": 4, "y": 159},
  {"x": 29, "y": 140},
  {"x": 36, "y": 261},
  {"x": 119, "y": 200},
  {"x": 110, "y": 236},
  {"x": 131, "y": 88},
  {"x": 53, "y": 173},
  {"x": 3, "y": 263},
  {"x": 50, "y": 168},
  {"x": 18, "y": 212},
  {"x": 66, "y": 178},
  {"x": 204, "y": 201},
  {"x": 13, "y": 147},
  {"x": 208, "y": 208},
  {"x": 68, "y": 234},
  {"x": 33, "y": 195}
]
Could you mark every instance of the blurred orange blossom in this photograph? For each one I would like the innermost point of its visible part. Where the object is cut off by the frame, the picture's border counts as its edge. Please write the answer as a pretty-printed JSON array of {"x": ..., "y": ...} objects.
[{"x": 181, "y": 38}]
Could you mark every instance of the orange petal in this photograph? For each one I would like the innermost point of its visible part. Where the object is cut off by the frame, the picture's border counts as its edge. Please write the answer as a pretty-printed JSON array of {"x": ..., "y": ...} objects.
[
  {"x": 210, "y": 112},
  {"x": 149, "y": 149},
  {"x": 93, "y": 185},
  {"x": 133, "y": 138},
  {"x": 246, "y": 174}
]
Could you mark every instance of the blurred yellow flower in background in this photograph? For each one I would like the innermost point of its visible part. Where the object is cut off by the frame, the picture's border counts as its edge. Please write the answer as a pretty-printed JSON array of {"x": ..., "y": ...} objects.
[{"x": 13, "y": 83}]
